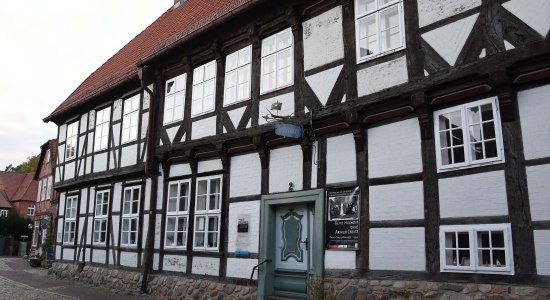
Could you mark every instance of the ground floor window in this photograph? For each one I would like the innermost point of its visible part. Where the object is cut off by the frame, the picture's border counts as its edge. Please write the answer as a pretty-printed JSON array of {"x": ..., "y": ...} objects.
[
  {"x": 100, "y": 217},
  {"x": 70, "y": 219},
  {"x": 130, "y": 216},
  {"x": 207, "y": 213},
  {"x": 3, "y": 213},
  {"x": 476, "y": 249},
  {"x": 177, "y": 212}
]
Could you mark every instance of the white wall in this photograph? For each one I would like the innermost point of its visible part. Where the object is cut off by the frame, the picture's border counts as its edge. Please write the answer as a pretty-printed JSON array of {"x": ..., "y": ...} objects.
[
  {"x": 206, "y": 266},
  {"x": 180, "y": 170},
  {"x": 340, "y": 260},
  {"x": 323, "y": 39},
  {"x": 395, "y": 149},
  {"x": 128, "y": 156},
  {"x": 100, "y": 162},
  {"x": 117, "y": 197},
  {"x": 399, "y": 201},
  {"x": 245, "y": 175},
  {"x": 397, "y": 249},
  {"x": 70, "y": 170},
  {"x": 285, "y": 165},
  {"x": 209, "y": 165},
  {"x": 203, "y": 128},
  {"x": 539, "y": 192},
  {"x": 534, "y": 109},
  {"x": 535, "y": 13},
  {"x": 68, "y": 254},
  {"x": 99, "y": 256},
  {"x": 128, "y": 259},
  {"x": 341, "y": 159},
  {"x": 474, "y": 195},
  {"x": 382, "y": 76},
  {"x": 431, "y": 11},
  {"x": 238, "y": 241},
  {"x": 175, "y": 263},
  {"x": 241, "y": 267},
  {"x": 287, "y": 109},
  {"x": 542, "y": 250}
]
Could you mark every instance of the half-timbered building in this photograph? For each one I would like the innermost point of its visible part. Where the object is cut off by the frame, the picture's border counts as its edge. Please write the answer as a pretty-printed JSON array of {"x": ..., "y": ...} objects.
[{"x": 422, "y": 152}]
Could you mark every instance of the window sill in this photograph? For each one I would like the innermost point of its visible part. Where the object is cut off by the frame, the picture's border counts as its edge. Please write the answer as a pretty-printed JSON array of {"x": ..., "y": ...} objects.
[
  {"x": 263, "y": 93},
  {"x": 202, "y": 113},
  {"x": 471, "y": 166},
  {"x": 489, "y": 272},
  {"x": 373, "y": 57},
  {"x": 225, "y": 105},
  {"x": 172, "y": 122}
]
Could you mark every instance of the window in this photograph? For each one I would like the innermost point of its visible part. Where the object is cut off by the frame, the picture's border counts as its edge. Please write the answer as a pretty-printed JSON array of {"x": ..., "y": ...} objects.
[
  {"x": 130, "y": 119},
  {"x": 44, "y": 186},
  {"x": 102, "y": 129},
  {"x": 468, "y": 135},
  {"x": 101, "y": 214},
  {"x": 39, "y": 194},
  {"x": 47, "y": 156},
  {"x": 30, "y": 210},
  {"x": 70, "y": 220},
  {"x": 130, "y": 216},
  {"x": 177, "y": 213},
  {"x": 476, "y": 248},
  {"x": 3, "y": 213},
  {"x": 379, "y": 27},
  {"x": 174, "y": 99},
  {"x": 277, "y": 61},
  {"x": 72, "y": 138},
  {"x": 204, "y": 88},
  {"x": 237, "y": 76},
  {"x": 49, "y": 188},
  {"x": 207, "y": 213}
]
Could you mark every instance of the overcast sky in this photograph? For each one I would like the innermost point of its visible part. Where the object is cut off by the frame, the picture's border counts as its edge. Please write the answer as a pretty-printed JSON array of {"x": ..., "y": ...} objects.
[{"x": 47, "y": 48}]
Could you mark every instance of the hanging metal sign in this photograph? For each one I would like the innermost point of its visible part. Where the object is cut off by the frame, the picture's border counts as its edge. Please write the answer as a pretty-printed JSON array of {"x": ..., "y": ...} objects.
[
  {"x": 288, "y": 130},
  {"x": 342, "y": 228}
]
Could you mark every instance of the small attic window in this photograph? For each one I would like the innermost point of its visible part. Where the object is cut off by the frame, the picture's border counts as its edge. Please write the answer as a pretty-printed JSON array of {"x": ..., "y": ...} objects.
[{"x": 177, "y": 3}]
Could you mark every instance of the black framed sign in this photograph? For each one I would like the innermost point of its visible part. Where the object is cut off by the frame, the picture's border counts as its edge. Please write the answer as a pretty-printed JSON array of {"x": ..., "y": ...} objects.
[{"x": 342, "y": 227}]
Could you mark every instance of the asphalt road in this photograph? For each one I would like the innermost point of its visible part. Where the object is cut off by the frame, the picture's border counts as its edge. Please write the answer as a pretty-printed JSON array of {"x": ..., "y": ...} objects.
[{"x": 21, "y": 282}]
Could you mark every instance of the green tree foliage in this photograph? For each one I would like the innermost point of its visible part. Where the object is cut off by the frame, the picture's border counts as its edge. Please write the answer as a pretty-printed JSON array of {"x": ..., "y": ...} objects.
[
  {"x": 15, "y": 226},
  {"x": 28, "y": 166}
]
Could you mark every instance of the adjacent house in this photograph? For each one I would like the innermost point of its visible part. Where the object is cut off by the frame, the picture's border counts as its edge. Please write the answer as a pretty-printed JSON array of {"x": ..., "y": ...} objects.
[
  {"x": 288, "y": 140},
  {"x": 20, "y": 190}
]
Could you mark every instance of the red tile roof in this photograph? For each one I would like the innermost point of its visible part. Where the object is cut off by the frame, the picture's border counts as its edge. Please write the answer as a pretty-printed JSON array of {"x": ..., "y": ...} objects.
[
  {"x": 171, "y": 27},
  {"x": 18, "y": 186},
  {"x": 4, "y": 201}
]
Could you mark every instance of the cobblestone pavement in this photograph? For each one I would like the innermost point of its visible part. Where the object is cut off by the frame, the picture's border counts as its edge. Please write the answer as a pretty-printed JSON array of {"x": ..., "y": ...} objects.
[{"x": 21, "y": 282}]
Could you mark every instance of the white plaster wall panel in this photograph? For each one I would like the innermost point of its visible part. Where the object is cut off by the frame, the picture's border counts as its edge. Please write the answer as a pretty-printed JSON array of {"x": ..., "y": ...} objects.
[
  {"x": 539, "y": 192},
  {"x": 62, "y": 133},
  {"x": 535, "y": 13},
  {"x": 89, "y": 230},
  {"x": 341, "y": 159},
  {"x": 542, "y": 250},
  {"x": 236, "y": 115},
  {"x": 57, "y": 252},
  {"x": 206, "y": 266},
  {"x": 209, "y": 165},
  {"x": 146, "y": 100},
  {"x": 58, "y": 174},
  {"x": 91, "y": 200},
  {"x": 449, "y": 40},
  {"x": 397, "y": 249},
  {"x": 90, "y": 142},
  {"x": 144, "y": 228},
  {"x": 156, "y": 259},
  {"x": 80, "y": 168},
  {"x": 91, "y": 120},
  {"x": 117, "y": 110},
  {"x": 117, "y": 197},
  {"x": 171, "y": 132},
  {"x": 129, "y": 155},
  {"x": 203, "y": 128},
  {"x": 160, "y": 189},
  {"x": 144, "y": 124},
  {"x": 474, "y": 195},
  {"x": 114, "y": 155},
  {"x": 83, "y": 201},
  {"x": 83, "y": 123},
  {"x": 322, "y": 83},
  {"x": 340, "y": 260},
  {"x": 534, "y": 109},
  {"x": 508, "y": 46},
  {"x": 62, "y": 197},
  {"x": 88, "y": 254},
  {"x": 100, "y": 162},
  {"x": 99, "y": 256},
  {"x": 116, "y": 134},
  {"x": 386, "y": 144},
  {"x": 323, "y": 39},
  {"x": 69, "y": 170},
  {"x": 382, "y": 76},
  {"x": 59, "y": 236},
  {"x": 174, "y": 263},
  {"x": 180, "y": 170},
  {"x": 241, "y": 267},
  {"x": 81, "y": 230},
  {"x": 128, "y": 259},
  {"x": 238, "y": 241},
  {"x": 81, "y": 146},
  {"x": 147, "y": 204},
  {"x": 314, "y": 164},
  {"x": 245, "y": 175},
  {"x": 61, "y": 154},
  {"x": 285, "y": 165},
  {"x": 115, "y": 220},
  {"x": 287, "y": 101},
  {"x": 431, "y": 11},
  {"x": 157, "y": 231},
  {"x": 402, "y": 201},
  {"x": 88, "y": 165},
  {"x": 68, "y": 254}
]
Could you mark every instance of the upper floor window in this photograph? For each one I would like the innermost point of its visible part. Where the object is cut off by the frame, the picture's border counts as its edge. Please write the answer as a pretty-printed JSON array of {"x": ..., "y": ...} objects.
[
  {"x": 174, "y": 99},
  {"x": 47, "y": 156},
  {"x": 237, "y": 76},
  {"x": 277, "y": 61},
  {"x": 130, "y": 216},
  {"x": 30, "y": 210},
  {"x": 177, "y": 213},
  {"x": 100, "y": 217},
  {"x": 379, "y": 27},
  {"x": 130, "y": 119},
  {"x": 49, "y": 188},
  {"x": 207, "y": 213},
  {"x": 476, "y": 248},
  {"x": 39, "y": 194},
  {"x": 102, "y": 129},
  {"x": 70, "y": 219},
  {"x": 468, "y": 135},
  {"x": 44, "y": 191},
  {"x": 204, "y": 89},
  {"x": 72, "y": 139}
]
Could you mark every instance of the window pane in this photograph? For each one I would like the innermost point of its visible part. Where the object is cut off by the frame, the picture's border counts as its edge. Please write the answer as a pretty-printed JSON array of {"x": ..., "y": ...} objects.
[
  {"x": 384, "y": 2},
  {"x": 477, "y": 151},
  {"x": 244, "y": 56},
  {"x": 473, "y": 115},
  {"x": 182, "y": 224},
  {"x": 231, "y": 61},
  {"x": 169, "y": 239},
  {"x": 499, "y": 258},
  {"x": 171, "y": 224},
  {"x": 487, "y": 112},
  {"x": 201, "y": 202},
  {"x": 180, "y": 82},
  {"x": 210, "y": 71},
  {"x": 284, "y": 67},
  {"x": 269, "y": 45},
  {"x": 214, "y": 202},
  {"x": 199, "y": 239},
  {"x": 367, "y": 36},
  {"x": 180, "y": 238},
  {"x": 200, "y": 223},
  {"x": 458, "y": 137},
  {"x": 212, "y": 240},
  {"x": 198, "y": 75},
  {"x": 170, "y": 85},
  {"x": 450, "y": 257},
  {"x": 475, "y": 133},
  {"x": 365, "y": 5},
  {"x": 284, "y": 39},
  {"x": 458, "y": 154},
  {"x": 484, "y": 258},
  {"x": 213, "y": 224},
  {"x": 489, "y": 131},
  {"x": 390, "y": 33},
  {"x": 201, "y": 189},
  {"x": 464, "y": 256},
  {"x": 483, "y": 239}
]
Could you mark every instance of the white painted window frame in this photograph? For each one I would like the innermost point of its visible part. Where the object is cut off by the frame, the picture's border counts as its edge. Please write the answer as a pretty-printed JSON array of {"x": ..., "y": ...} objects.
[
  {"x": 31, "y": 209},
  {"x": 178, "y": 84},
  {"x": 199, "y": 84},
  {"x": 3, "y": 212},
  {"x": 130, "y": 216},
  {"x": 178, "y": 215},
  {"x": 377, "y": 11},
  {"x": 130, "y": 115},
  {"x": 472, "y": 231},
  {"x": 101, "y": 215},
  {"x": 101, "y": 140},
  {"x": 468, "y": 161},
  {"x": 70, "y": 220},
  {"x": 207, "y": 213},
  {"x": 236, "y": 70},
  {"x": 275, "y": 53},
  {"x": 71, "y": 144}
]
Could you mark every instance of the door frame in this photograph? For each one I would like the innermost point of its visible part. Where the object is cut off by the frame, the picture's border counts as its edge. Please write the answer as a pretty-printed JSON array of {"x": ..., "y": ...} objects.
[{"x": 267, "y": 240}]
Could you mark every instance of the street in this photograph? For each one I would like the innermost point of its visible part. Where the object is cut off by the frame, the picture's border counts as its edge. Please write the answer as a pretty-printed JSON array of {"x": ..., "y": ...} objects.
[{"x": 19, "y": 281}]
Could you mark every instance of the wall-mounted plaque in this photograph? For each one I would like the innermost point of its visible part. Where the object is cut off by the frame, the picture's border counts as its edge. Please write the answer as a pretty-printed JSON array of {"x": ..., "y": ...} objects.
[{"x": 342, "y": 228}]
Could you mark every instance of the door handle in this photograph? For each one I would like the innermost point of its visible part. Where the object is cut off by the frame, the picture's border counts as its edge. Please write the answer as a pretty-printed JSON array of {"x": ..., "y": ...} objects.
[{"x": 306, "y": 243}]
